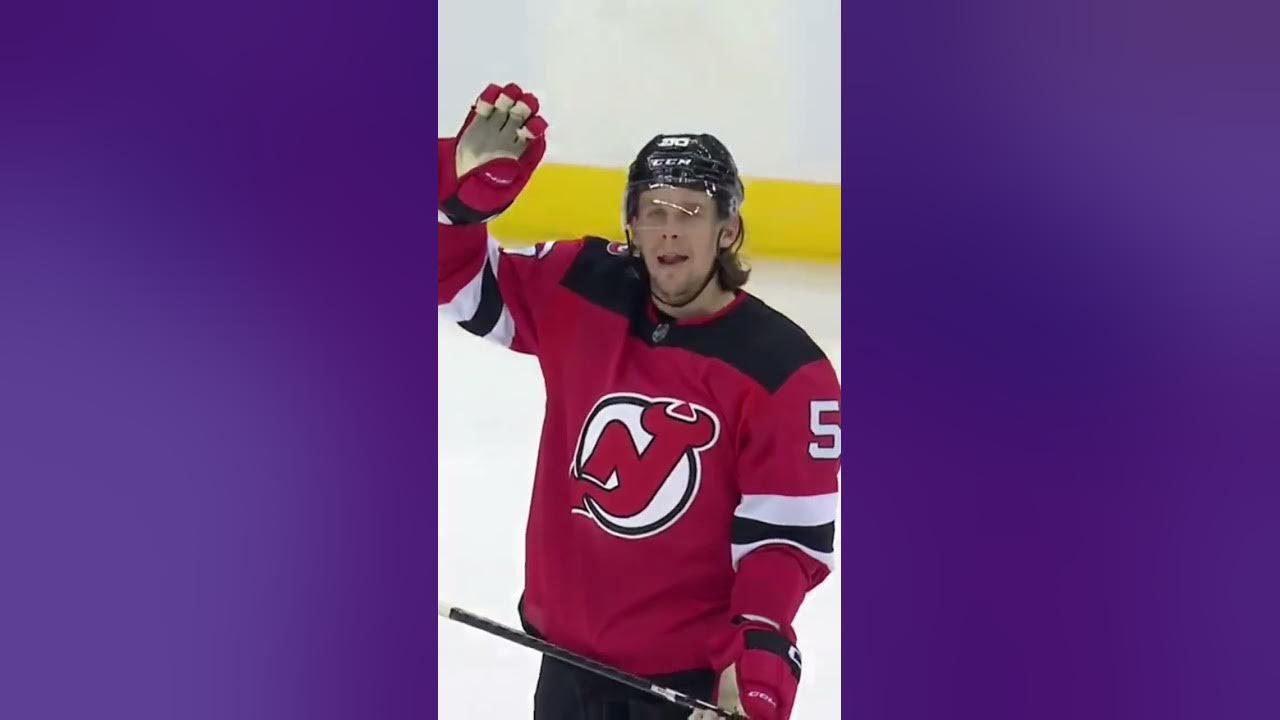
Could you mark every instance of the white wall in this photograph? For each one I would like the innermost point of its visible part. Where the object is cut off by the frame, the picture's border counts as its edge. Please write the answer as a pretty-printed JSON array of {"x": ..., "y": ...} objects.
[{"x": 763, "y": 75}]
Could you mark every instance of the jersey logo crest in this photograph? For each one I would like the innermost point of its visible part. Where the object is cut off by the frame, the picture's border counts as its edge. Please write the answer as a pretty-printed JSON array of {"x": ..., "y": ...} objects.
[{"x": 640, "y": 462}]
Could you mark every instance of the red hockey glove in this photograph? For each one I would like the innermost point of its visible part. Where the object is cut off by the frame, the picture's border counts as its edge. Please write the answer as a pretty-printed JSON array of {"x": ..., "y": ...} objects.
[
  {"x": 484, "y": 168},
  {"x": 759, "y": 674}
]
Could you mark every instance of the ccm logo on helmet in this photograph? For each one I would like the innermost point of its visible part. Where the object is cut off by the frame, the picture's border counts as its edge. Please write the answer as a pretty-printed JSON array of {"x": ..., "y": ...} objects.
[
  {"x": 668, "y": 162},
  {"x": 639, "y": 462}
]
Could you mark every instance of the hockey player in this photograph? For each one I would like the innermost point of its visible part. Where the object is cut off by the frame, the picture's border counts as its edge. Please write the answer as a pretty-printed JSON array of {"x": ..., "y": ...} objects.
[{"x": 685, "y": 494}]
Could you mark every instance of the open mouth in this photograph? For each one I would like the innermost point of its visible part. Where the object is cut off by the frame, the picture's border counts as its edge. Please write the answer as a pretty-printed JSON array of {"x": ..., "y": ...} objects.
[{"x": 671, "y": 259}]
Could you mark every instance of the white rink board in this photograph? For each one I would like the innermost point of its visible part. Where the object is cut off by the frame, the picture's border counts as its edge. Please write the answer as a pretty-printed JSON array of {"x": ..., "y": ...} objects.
[
  {"x": 487, "y": 455},
  {"x": 763, "y": 75}
]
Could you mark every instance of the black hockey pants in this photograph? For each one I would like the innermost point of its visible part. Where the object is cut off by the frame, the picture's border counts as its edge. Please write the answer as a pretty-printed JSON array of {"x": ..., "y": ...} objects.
[{"x": 566, "y": 692}]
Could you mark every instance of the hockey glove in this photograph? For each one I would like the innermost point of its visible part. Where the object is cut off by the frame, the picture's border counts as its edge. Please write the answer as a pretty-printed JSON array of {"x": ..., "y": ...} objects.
[
  {"x": 759, "y": 674},
  {"x": 484, "y": 168}
]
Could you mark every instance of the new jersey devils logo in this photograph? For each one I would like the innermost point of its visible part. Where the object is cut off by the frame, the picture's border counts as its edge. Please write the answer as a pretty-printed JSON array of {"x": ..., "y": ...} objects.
[{"x": 641, "y": 461}]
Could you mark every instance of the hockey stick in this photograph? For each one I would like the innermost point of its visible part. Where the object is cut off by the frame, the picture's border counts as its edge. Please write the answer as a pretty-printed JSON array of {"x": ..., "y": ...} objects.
[{"x": 450, "y": 612}]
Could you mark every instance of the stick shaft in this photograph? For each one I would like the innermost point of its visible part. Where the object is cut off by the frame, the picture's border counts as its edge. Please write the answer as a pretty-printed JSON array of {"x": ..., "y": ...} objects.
[{"x": 519, "y": 637}]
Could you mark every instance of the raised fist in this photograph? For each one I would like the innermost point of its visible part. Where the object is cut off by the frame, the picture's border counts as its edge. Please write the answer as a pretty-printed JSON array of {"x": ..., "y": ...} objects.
[{"x": 484, "y": 168}]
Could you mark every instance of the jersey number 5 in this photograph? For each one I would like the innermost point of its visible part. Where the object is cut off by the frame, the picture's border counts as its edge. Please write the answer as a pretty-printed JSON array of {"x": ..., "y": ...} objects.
[{"x": 830, "y": 432}]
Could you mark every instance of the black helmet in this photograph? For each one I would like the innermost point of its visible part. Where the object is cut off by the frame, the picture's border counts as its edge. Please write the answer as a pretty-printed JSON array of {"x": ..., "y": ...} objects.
[{"x": 697, "y": 161}]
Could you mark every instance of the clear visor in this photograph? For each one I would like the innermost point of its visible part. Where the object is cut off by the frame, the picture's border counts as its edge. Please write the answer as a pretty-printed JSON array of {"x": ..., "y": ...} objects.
[{"x": 663, "y": 208}]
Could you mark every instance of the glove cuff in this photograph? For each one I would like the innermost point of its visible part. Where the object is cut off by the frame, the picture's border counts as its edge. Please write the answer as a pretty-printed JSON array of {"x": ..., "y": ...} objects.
[
  {"x": 752, "y": 635},
  {"x": 759, "y": 671},
  {"x": 771, "y": 641},
  {"x": 459, "y": 213}
]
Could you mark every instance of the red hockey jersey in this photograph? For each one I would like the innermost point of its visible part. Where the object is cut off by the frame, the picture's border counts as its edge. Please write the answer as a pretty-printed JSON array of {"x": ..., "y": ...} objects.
[{"x": 688, "y": 469}]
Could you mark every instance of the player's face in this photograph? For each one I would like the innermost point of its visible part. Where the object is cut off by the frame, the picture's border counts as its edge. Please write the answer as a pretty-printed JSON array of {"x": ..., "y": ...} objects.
[{"x": 679, "y": 235}]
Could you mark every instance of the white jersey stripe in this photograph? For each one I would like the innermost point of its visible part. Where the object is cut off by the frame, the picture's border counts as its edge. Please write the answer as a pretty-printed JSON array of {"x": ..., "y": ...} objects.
[
  {"x": 464, "y": 306},
  {"x": 803, "y": 511}
]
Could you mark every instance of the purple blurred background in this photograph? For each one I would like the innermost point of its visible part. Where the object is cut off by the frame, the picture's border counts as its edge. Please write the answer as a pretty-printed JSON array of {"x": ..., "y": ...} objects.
[
  {"x": 217, "y": 395},
  {"x": 1062, "y": 361}
]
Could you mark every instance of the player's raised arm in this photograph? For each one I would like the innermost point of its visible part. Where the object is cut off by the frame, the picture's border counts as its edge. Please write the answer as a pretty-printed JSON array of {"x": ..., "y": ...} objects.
[
  {"x": 783, "y": 535},
  {"x": 489, "y": 291}
]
